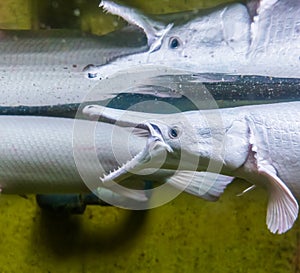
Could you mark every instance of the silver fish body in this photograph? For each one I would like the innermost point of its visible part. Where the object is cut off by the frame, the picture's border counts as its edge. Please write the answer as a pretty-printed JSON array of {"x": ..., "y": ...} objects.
[
  {"x": 258, "y": 143},
  {"x": 42, "y": 72},
  {"x": 45, "y": 68},
  {"x": 46, "y": 155}
]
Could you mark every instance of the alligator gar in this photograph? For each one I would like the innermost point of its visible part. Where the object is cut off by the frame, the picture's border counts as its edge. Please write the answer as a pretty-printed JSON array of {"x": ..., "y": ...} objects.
[
  {"x": 257, "y": 143},
  {"x": 47, "y": 155},
  {"x": 44, "y": 68},
  {"x": 42, "y": 72},
  {"x": 261, "y": 38},
  {"x": 43, "y": 155}
]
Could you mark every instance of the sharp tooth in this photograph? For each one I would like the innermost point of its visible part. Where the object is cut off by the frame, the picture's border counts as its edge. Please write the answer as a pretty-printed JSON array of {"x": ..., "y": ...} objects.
[{"x": 102, "y": 178}]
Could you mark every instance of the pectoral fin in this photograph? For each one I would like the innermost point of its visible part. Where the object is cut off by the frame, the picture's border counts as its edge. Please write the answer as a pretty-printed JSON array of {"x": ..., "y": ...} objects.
[
  {"x": 282, "y": 207},
  {"x": 206, "y": 185}
]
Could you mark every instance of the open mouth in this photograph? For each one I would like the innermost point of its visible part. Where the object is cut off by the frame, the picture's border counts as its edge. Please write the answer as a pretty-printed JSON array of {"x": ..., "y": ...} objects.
[
  {"x": 155, "y": 147},
  {"x": 151, "y": 157}
]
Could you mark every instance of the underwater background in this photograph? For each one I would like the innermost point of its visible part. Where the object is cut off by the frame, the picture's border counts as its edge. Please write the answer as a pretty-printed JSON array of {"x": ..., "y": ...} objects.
[{"x": 185, "y": 235}]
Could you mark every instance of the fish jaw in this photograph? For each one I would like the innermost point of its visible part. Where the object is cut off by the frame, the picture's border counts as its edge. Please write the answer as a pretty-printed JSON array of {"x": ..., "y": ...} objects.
[
  {"x": 155, "y": 148},
  {"x": 154, "y": 30},
  {"x": 187, "y": 150},
  {"x": 156, "y": 138}
]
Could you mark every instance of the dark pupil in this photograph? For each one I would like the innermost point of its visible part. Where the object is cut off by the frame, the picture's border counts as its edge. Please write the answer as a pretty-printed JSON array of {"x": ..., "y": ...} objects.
[
  {"x": 173, "y": 132},
  {"x": 174, "y": 43},
  {"x": 92, "y": 75}
]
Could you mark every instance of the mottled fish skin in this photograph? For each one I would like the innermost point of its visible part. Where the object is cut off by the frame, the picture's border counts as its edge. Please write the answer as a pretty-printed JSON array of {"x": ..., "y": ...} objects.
[
  {"x": 45, "y": 68},
  {"x": 232, "y": 39},
  {"x": 258, "y": 143},
  {"x": 41, "y": 154},
  {"x": 276, "y": 133},
  {"x": 61, "y": 155}
]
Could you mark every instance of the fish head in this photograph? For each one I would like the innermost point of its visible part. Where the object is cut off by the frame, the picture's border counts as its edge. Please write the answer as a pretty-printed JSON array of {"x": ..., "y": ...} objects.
[
  {"x": 205, "y": 39},
  {"x": 185, "y": 140},
  {"x": 203, "y": 43},
  {"x": 186, "y": 145}
]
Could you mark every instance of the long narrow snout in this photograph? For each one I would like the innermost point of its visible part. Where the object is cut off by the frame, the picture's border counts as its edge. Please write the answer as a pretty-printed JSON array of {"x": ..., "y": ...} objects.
[
  {"x": 120, "y": 117},
  {"x": 153, "y": 154}
]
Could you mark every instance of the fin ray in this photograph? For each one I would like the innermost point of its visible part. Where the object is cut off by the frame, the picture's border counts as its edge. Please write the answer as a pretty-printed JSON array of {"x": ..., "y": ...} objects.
[
  {"x": 283, "y": 208},
  {"x": 206, "y": 185}
]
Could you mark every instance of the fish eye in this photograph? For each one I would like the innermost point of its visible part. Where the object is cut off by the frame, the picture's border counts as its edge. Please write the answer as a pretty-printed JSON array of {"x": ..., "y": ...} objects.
[
  {"x": 92, "y": 75},
  {"x": 173, "y": 132},
  {"x": 174, "y": 42}
]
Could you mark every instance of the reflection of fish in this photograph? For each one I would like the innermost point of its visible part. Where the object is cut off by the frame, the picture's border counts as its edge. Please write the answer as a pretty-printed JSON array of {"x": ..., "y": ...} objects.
[
  {"x": 262, "y": 38},
  {"x": 259, "y": 143},
  {"x": 41, "y": 72},
  {"x": 44, "y": 68}
]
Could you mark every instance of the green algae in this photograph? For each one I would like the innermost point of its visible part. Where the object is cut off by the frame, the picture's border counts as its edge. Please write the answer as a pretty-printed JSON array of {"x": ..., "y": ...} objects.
[{"x": 185, "y": 235}]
